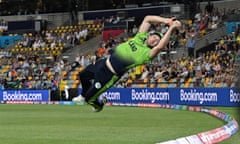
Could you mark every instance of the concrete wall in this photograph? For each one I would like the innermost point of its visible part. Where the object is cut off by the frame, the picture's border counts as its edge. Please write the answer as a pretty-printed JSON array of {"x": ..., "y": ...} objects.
[
  {"x": 228, "y": 4},
  {"x": 56, "y": 19},
  {"x": 210, "y": 38}
]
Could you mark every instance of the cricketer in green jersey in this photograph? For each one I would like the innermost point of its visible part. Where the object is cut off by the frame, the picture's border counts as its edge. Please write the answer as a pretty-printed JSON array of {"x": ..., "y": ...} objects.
[{"x": 141, "y": 49}]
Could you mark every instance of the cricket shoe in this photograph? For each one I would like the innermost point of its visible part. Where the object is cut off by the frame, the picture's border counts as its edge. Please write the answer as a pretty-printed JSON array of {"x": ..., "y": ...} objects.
[
  {"x": 98, "y": 106},
  {"x": 79, "y": 99}
]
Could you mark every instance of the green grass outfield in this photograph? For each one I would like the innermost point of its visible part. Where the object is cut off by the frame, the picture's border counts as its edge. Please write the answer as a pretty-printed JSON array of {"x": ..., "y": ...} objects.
[{"x": 59, "y": 124}]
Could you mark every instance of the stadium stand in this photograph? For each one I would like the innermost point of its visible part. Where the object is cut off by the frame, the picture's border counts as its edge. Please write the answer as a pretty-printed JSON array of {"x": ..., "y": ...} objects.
[{"x": 37, "y": 61}]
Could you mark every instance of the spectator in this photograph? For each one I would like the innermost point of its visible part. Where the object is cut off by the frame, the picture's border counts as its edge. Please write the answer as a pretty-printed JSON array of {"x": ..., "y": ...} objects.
[
  {"x": 144, "y": 73},
  {"x": 134, "y": 29},
  {"x": 190, "y": 45}
]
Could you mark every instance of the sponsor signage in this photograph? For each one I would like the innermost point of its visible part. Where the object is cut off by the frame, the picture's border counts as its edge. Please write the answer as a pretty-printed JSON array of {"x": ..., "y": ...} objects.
[
  {"x": 24, "y": 95},
  {"x": 181, "y": 96},
  {"x": 213, "y": 136},
  {"x": 6, "y": 41}
]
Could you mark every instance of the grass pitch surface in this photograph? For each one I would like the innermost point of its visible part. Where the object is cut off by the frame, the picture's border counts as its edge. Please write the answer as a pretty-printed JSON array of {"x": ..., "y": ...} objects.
[{"x": 58, "y": 124}]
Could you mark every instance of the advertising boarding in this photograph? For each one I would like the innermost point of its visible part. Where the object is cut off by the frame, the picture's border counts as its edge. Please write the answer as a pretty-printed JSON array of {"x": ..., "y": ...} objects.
[
  {"x": 24, "y": 95},
  {"x": 182, "y": 96}
]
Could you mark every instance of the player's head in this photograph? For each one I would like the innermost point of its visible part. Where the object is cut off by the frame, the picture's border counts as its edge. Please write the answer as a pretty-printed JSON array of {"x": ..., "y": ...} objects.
[{"x": 153, "y": 39}]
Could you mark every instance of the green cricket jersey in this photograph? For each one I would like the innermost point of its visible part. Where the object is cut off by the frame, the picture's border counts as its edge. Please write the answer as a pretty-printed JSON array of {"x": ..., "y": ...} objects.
[{"x": 131, "y": 53}]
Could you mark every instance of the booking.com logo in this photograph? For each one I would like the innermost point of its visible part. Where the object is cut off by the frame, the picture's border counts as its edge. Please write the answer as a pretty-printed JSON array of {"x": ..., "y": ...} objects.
[{"x": 234, "y": 96}]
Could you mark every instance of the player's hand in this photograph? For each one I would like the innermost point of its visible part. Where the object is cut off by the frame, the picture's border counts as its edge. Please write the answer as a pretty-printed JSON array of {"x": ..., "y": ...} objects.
[
  {"x": 171, "y": 20},
  {"x": 177, "y": 24}
]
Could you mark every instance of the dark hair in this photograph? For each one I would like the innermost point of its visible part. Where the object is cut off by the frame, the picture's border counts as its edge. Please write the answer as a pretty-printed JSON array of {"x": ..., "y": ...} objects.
[{"x": 156, "y": 33}]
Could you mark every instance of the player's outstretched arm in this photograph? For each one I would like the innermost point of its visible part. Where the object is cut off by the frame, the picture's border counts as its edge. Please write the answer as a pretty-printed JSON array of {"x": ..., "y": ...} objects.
[
  {"x": 165, "y": 39},
  {"x": 148, "y": 20}
]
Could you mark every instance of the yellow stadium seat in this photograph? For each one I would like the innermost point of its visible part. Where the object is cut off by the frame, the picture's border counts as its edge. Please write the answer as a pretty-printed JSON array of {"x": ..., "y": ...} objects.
[
  {"x": 74, "y": 77},
  {"x": 188, "y": 82},
  {"x": 80, "y": 69},
  {"x": 144, "y": 83},
  {"x": 74, "y": 85},
  {"x": 152, "y": 85},
  {"x": 189, "y": 22},
  {"x": 162, "y": 83},
  {"x": 206, "y": 81},
  {"x": 217, "y": 84},
  {"x": 64, "y": 73}
]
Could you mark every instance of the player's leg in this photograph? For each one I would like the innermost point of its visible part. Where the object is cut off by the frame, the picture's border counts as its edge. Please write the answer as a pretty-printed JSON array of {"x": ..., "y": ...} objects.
[
  {"x": 103, "y": 80},
  {"x": 85, "y": 76},
  {"x": 92, "y": 96}
]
